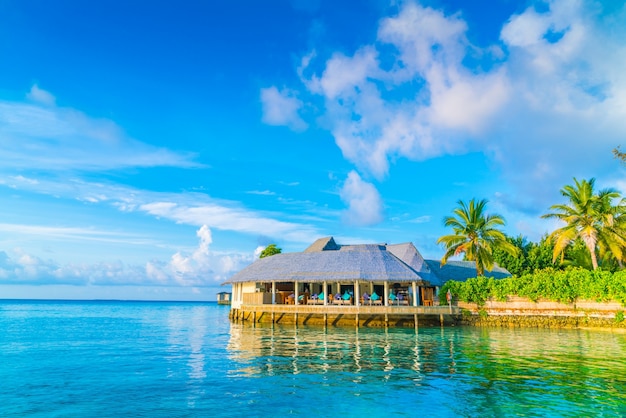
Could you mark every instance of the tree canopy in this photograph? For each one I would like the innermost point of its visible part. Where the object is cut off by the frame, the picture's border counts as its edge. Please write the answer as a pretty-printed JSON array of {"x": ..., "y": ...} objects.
[
  {"x": 475, "y": 234},
  {"x": 530, "y": 256},
  {"x": 270, "y": 250},
  {"x": 590, "y": 217}
]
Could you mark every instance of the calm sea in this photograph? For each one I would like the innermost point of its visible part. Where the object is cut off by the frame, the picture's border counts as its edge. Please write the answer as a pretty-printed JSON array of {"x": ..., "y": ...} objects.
[{"x": 101, "y": 359}]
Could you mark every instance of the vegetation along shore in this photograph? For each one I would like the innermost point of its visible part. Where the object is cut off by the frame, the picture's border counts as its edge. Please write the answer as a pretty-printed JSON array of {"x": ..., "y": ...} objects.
[{"x": 573, "y": 277}]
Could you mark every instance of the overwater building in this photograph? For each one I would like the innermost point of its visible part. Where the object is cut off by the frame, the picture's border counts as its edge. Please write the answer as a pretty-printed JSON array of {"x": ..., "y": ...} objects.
[{"x": 365, "y": 282}]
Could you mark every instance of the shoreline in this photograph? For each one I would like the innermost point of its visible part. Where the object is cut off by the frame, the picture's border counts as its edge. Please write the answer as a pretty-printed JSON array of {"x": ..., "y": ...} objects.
[{"x": 544, "y": 322}]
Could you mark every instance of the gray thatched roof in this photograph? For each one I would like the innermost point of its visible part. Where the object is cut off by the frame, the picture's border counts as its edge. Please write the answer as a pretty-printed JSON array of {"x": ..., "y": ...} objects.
[
  {"x": 327, "y": 261},
  {"x": 409, "y": 255},
  {"x": 463, "y": 270},
  {"x": 323, "y": 244}
]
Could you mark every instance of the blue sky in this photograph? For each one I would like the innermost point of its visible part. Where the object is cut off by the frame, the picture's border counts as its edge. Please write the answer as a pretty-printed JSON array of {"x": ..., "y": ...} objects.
[{"x": 151, "y": 149}]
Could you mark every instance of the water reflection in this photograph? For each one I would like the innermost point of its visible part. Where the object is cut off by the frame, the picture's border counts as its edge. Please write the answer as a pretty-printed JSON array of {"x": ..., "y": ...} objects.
[
  {"x": 503, "y": 369},
  {"x": 267, "y": 350},
  {"x": 186, "y": 336}
]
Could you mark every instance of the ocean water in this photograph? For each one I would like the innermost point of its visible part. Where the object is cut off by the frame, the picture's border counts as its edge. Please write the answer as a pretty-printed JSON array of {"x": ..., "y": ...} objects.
[{"x": 149, "y": 359}]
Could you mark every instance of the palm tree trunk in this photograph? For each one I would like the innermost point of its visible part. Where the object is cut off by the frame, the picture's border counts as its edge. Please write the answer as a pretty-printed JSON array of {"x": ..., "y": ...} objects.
[{"x": 592, "y": 252}]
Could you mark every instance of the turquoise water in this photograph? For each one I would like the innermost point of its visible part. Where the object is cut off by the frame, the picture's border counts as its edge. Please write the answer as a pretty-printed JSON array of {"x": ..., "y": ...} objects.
[{"x": 99, "y": 359}]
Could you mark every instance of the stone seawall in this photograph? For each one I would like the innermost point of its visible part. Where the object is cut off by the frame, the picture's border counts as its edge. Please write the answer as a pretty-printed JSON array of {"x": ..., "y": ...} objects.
[{"x": 522, "y": 312}]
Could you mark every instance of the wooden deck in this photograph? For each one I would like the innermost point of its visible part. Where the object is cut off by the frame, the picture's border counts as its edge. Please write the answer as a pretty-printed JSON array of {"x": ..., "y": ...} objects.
[{"x": 375, "y": 315}]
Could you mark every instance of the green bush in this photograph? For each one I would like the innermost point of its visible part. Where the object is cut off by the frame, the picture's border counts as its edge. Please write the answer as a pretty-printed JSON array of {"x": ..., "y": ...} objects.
[
  {"x": 483, "y": 314},
  {"x": 559, "y": 285}
]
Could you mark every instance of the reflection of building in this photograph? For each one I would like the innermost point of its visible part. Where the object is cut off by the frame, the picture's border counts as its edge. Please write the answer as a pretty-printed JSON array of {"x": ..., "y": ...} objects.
[
  {"x": 224, "y": 298},
  {"x": 280, "y": 350},
  {"x": 345, "y": 281}
]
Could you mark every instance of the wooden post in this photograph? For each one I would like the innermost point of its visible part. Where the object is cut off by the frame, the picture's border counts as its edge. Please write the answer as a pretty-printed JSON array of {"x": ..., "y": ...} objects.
[
  {"x": 325, "y": 291},
  {"x": 386, "y": 292},
  {"x": 273, "y": 293},
  {"x": 414, "y": 294}
]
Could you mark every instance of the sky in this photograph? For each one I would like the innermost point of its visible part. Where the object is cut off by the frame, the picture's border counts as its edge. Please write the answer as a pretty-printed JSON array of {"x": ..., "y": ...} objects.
[{"x": 150, "y": 150}]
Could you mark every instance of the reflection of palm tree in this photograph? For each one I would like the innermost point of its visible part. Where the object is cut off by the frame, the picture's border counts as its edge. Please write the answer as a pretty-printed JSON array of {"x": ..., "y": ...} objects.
[
  {"x": 592, "y": 218},
  {"x": 475, "y": 235}
]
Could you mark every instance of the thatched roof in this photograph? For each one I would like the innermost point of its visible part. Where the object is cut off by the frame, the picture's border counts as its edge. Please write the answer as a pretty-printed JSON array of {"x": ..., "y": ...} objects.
[
  {"x": 325, "y": 260},
  {"x": 463, "y": 270},
  {"x": 409, "y": 255},
  {"x": 323, "y": 244}
]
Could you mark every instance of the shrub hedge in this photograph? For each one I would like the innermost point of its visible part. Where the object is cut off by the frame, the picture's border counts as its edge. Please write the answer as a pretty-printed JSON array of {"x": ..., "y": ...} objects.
[{"x": 559, "y": 285}]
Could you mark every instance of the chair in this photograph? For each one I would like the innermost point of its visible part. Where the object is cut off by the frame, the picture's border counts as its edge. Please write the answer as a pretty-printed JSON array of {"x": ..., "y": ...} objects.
[
  {"x": 365, "y": 299},
  {"x": 392, "y": 298},
  {"x": 347, "y": 299},
  {"x": 402, "y": 300},
  {"x": 376, "y": 299},
  {"x": 336, "y": 300}
]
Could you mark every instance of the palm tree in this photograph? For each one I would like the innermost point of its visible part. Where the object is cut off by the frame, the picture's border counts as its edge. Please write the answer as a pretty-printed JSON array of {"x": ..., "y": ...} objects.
[
  {"x": 592, "y": 218},
  {"x": 475, "y": 235},
  {"x": 612, "y": 239}
]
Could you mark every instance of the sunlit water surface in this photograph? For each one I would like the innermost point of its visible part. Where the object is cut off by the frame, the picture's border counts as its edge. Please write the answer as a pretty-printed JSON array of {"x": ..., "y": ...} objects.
[{"x": 75, "y": 359}]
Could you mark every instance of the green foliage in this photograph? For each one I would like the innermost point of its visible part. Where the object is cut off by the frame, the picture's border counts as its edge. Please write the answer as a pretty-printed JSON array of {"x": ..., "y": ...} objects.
[
  {"x": 270, "y": 250},
  {"x": 617, "y": 153},
  {"x": 564, "y": 286},
  {"x": 592, "y": 218},
  {"x": 483, "y": 313},
  {"x": 619, "y": 317},
  {"x": 475, "y": 235},
  {"x": 530, "y": 256}
]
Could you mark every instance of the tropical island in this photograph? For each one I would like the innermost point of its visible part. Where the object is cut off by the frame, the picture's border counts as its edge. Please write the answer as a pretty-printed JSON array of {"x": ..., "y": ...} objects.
[{"x": 573, "y": 277}]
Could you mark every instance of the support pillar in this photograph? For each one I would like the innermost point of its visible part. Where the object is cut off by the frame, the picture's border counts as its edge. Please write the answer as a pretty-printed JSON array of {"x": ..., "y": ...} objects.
[
  {"x": 386, "y": 296},
  {"x": 414, "y": 293}
]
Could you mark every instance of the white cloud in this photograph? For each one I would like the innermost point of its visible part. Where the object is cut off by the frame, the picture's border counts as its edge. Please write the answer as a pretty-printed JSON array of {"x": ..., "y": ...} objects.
[
  {"x": 229, "y": 218},
  {"x": 421, "y": 219},
  {"x": 345, "y": 74},
  {"x": 262, "y": 192},
  {"x": 419, "y": 122},
  {"x": 363, "y": 200},
  {"x": 43, "y": 135},
  {"x": 281, "y": 108},
  {"x": 258, "y": 251},
  {"x": 545, "y": 102},
  {"x": 41, "y": 96},
  {"x": 570, "y": 100},
  {"x": 72, "y": 233},
  {"x": 195, "y": 209},
  {"x": 200, "y": 268}
]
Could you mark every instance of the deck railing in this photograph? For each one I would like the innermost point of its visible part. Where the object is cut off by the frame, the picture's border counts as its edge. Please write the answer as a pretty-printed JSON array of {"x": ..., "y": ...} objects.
[{"x": 352, "y": 309}]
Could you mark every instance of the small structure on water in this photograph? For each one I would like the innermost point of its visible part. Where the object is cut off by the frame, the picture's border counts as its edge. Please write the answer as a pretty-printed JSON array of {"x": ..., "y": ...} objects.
[
  {"x": 224, "y": 298},
  {"x": 343, "y": 281}
]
